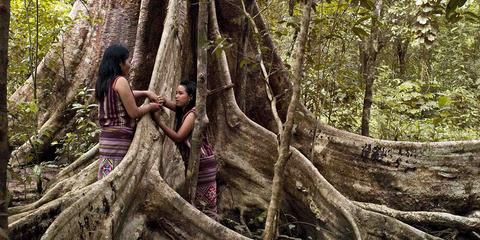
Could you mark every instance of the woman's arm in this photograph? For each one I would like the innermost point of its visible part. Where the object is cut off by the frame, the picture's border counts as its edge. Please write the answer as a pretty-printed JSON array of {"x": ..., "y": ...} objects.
[
  {"x": 139, "y": 94},
  {"x": 128, "y": 100},
  {"x": 183, "y": 132},
  {"x": 167, "y": 103},
  {"x": 148, "y": 94},
  {"x": 155, "y": 98}
]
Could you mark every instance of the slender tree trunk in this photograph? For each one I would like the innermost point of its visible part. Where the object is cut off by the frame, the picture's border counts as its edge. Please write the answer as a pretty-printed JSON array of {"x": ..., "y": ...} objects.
[
  {"x": 368, "y": 56},
  {"x": 286, "y": 132},
  {"x": 4, "y": 152},
  {"x": 401, "y": 51},
  {"x": 425, "y": 64},
  {"x": 200, "y": 104},
  {"x": 367, "y": 98}
]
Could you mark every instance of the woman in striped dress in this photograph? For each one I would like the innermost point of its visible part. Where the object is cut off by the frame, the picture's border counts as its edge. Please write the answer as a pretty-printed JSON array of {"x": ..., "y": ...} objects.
[
  {"x": 117, "y": 108},
  {"x": 184, "y": 107}
]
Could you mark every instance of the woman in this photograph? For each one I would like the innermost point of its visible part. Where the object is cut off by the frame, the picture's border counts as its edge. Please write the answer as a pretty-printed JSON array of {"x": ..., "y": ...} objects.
[
  {"x": 117, "y": 108},
  {"x": 184, "y": 107}
]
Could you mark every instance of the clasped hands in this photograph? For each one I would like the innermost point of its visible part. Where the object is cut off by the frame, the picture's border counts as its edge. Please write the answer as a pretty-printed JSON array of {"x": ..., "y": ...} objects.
[{"x": 156, "y": 101}]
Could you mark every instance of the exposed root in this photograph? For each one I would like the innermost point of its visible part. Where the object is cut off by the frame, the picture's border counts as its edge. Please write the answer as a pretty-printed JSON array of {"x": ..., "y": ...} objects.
[
  {"x": 78, "y": 165},
  {"x": 69, "y": 185},
  {"x": 163, "y": 201},
  {"x": 426, "y": 218}
]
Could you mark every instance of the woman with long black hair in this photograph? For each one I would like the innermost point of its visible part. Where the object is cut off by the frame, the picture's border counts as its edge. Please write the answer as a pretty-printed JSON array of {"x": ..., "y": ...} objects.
[
  {"x": 184, "y": 107},
  {"x": 117, "y": 107}
]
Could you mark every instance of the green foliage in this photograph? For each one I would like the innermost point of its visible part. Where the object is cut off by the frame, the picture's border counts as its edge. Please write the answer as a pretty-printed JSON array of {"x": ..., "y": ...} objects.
[
  {"x": 426, "y": 22},
  {"x": 330, "y": 81},
  {"x": 422, "y": 111},
  {"x": 52, "y": 19},
  {"x": 218, "y": 45},
  {"x": 21, "y": 122},
  {"x": 37, "y": 171},
  {"x": 436, "y": 98},
  {"x": 22, "y": 128},
  {"x": 452, "y": 6},
  {"x": 84, "y": 133},
  {"x": 436, "y": 102}
]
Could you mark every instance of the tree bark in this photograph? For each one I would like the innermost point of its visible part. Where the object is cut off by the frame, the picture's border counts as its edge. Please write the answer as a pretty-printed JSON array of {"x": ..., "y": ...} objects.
[
  {"x": 83, "y": 46},
  {"x": 286, "y": 133},
  {"x": 407, "y": 178},
  {"x": 243, "y": 59},
  {"x": 369, "y": 50},
  {"x": 201, "y": 120},
  {"x": 401, "y": 50},
  {"x": 4, "y": 151},
  {"x": 338, "y": 155}
]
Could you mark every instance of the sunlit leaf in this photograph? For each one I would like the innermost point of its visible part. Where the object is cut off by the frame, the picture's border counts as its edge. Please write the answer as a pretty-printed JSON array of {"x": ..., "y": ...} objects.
[
  {"x": 443, "y": 100},
  {"x": 359, "y": 32}
]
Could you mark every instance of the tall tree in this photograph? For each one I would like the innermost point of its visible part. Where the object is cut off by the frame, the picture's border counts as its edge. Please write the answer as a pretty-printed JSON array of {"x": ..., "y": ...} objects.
[
  {"x": 369, "y": 49},
  {"x": 4, "y": 152},
  {"x": 335, "y": 190},
  {"x": 401, "y": 46}
]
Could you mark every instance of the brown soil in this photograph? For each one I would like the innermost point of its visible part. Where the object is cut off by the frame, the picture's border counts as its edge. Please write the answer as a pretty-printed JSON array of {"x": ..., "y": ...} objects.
[{"x": 23, "y": 184}]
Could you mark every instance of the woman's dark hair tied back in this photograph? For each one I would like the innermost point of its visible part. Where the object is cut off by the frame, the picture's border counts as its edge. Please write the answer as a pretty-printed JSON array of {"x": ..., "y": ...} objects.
[
  {"x": 110, "y": 68},
  {"x": 191, "y": 88}
]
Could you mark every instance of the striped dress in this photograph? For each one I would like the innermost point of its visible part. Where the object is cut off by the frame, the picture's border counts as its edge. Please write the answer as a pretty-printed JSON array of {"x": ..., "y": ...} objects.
[
  {"x": 206, "y": 192},
  {"x": 117, "y": 130}
]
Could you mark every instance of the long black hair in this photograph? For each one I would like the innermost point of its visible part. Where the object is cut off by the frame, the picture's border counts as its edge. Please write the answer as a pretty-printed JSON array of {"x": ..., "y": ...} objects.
[
  {"x": 110, "y": 68},
  {"x": 191, "y": 88}
]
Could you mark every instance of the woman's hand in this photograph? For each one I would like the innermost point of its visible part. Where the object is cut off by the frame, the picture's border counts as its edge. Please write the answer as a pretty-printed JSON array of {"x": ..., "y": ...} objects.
[
  {"x": 154, "y": 97},
  {"x": 128, "y": 99},
  {"x": 161, "y": 100},
  {"x": 154, "y": 106},
  {"x": 157, "y": 117},
  {"x": 157, "y": 114}
]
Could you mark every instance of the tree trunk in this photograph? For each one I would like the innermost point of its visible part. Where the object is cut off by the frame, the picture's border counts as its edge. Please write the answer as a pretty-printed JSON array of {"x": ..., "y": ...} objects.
[
  {"x": 401, "y": 50},
  {"x": 4, "y": 152},
  {"x": 243, "y": 59},
  {"x": 369, "y": 50},
  {"x": 285, "y": 134},
  {"x": 350, "y": 180},
  {"x": 83, "y": 45},
  {"x": 200, "y": 104}
]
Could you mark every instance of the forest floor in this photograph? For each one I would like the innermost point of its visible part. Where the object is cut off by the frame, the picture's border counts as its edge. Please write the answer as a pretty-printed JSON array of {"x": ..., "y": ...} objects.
[{"x": 26, "y": 183}]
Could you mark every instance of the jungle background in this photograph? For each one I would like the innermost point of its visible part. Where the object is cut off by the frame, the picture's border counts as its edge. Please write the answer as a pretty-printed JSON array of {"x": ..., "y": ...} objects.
[{"x": 425, "y": 74}]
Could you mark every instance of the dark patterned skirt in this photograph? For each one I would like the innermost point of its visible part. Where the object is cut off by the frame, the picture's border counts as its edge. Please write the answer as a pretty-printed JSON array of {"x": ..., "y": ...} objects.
[
  {"x": 114, "y": 144},
  {"x": 206, "y": 193}
]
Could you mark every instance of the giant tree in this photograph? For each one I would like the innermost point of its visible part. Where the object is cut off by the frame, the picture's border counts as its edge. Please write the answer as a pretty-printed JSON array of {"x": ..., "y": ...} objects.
[{"x": 341, "y": 184}]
